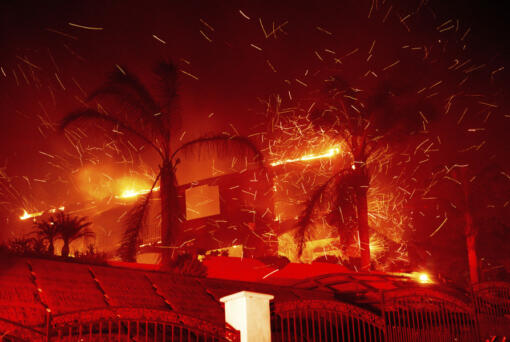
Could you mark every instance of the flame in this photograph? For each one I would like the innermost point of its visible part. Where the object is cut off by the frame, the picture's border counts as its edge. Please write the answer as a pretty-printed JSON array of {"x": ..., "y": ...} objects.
[
  {"x": 131, "y": 190},
  {"x": 130, "y": 193},
  {"x": 424, "y": 278},
  {"x": 328, "y": 154},
  {"x": 26, "y": 215},
  {"x": 130, "y": 187},
  {"x": 421, "y": 277}
]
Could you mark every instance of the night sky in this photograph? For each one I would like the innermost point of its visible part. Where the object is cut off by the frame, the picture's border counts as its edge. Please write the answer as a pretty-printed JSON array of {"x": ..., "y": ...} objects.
[{"x": 49, "y": 64}]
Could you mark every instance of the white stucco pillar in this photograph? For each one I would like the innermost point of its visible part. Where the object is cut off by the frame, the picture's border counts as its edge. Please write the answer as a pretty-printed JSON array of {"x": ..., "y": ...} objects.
[{"x": 249, "y": 313}]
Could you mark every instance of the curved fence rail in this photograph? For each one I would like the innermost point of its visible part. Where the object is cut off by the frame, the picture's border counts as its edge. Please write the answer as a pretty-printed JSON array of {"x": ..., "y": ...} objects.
[
  {"x": 492, "y": 303},
  {"x": 421, "y": 314},
  {"x": 15, "y": 332},
  {"x": 132, "y": 330},
  {"x": 319, "y": 320},
  {"x": 405, "y": 314},
  {"x": 120, "y": 324},
  {"x": 137, "y": 324}
]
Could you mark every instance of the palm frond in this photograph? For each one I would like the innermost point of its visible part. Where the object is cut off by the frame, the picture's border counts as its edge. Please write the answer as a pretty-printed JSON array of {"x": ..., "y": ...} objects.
[
  {"x": 306, "y": 216},
  {"x": 91, "y": 114},
  {"x": 126, "y": 89},
  {"x": 45, "y": 229},
  {"x": 345, "y": 213},
  {"x": 167, "y": 77},
  {"x": 342, "y": 177},
  {"x": 166, "y": 73},
  {"x": 135, "y": 221},
  {"x": 72, "y": 228},
  {"x": 221, "y": 144},
  {"x": 124, "y": 84}
]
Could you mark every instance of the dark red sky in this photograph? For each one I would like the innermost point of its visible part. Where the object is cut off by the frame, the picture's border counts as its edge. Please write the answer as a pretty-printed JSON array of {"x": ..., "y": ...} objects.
[{"x": 232, "y": 73}]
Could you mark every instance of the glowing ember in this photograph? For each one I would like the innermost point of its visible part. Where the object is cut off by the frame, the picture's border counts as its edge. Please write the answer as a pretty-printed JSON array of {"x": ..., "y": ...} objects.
[
  {"x": 422, "y": 277},
  {"x": 330, "y": 153}
]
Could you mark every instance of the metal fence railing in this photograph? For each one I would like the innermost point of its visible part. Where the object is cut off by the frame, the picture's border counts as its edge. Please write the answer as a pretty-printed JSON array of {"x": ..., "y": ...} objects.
[
  {"x": 492, "y": 305},
  {"x": 405, "y": 314},
  {"x": 421, "y": 314},
  {"x": 120, "y": 324},
  {"x": 132, "y": 330},
  {"x": 319, "y": 320}
]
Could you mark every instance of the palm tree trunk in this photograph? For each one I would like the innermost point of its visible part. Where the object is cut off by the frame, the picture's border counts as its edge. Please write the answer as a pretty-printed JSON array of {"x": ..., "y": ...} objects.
[
  {"x": 65, "y": 249},
  {"x": 362, "y": 182},
  {"x": 471, "y": 248},
  {"x": 51, "y": 248},
  {"x": 169, "y": 211},
  {"x": 364, "y": 236}
]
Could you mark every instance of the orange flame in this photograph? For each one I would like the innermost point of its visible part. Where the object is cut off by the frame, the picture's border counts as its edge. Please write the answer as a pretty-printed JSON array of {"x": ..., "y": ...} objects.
[
  {"x": 26, "y": 215},
  {"x": 130, "y": 193},
  {"x": 328, "y": 154}
]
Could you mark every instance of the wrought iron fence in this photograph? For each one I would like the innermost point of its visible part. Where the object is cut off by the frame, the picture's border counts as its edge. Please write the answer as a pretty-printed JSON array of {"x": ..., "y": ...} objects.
[
  {"x": 319, "y": 320},
  {"x": 422, "y": 314},
  {"x": 492, "y": 304},
  {"x": 120, "y": 324},
  {"x": 131, "y": 330},
  {"x": 406, "y": 314},
  {"x": 137, "y": 324}
]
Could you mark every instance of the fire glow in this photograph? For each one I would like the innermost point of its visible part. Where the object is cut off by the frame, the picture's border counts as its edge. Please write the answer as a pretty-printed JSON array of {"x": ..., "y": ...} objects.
[
  {"x": 131, "y": 192},
  {"x": 26, "y": 215}
]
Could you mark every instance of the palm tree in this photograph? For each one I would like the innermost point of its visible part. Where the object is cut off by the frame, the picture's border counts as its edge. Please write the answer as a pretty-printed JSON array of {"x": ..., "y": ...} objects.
[
  {"x": 70, "y": 229},
  {"x": 471, "y": 198},
  {"x": 466, "y": 183},
  {"x": 365, "y": 122},
  {"x": 47, "y": 230},
  {"x": 155, "y": 121}
]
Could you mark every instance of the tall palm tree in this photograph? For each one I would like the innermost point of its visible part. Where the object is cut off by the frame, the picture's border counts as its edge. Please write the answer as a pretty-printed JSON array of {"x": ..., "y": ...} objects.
[
  {"x": 71, "y": 228},
  {"x": 155, "y": 120},
  {"x": 471, "y": 197},
  {"x": 465, "y": 183},
  {"x": 47, "y": 231},
  {"x": 365, "y": 121}
]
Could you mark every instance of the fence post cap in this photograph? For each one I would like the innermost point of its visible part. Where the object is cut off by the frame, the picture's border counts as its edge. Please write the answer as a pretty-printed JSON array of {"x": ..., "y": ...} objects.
[{"x": 246, "y": 294}]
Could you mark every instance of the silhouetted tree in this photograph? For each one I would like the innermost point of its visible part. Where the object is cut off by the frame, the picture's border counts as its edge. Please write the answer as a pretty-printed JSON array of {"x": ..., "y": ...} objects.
[
  {"x": 47, "y": 231},
  {"x": 377, "y": 95},
  {"x": 365, "y": 122},
  {"x": 71, "y": 228},
  {"x": 155, "y": 120},
  {"x": 468, "y": 184}
]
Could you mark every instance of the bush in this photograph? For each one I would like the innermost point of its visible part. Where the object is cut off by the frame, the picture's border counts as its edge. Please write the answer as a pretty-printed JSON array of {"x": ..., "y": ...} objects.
[{"x": 188, "y": 264}]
